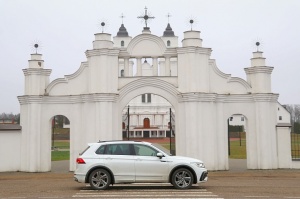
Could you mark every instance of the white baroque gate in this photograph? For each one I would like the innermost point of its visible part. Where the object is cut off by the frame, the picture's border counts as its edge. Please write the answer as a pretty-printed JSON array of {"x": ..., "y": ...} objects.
[{"x": 203, "y": 98}]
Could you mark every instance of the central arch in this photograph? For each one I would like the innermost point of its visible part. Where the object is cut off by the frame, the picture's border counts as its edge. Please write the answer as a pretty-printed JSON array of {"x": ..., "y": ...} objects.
[{"x": 152, "y": 85}]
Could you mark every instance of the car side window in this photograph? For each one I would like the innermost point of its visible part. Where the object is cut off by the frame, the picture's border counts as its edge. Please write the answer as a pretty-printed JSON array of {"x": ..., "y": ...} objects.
[
  {"x": 118, "y": 149},
  {"x": 142, "y": 150},
  {"x": 100, "y": 150}
]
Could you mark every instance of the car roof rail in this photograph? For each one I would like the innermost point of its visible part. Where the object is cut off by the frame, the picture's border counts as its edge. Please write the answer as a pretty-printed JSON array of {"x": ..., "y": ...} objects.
[{"x": 101, "y": 141}]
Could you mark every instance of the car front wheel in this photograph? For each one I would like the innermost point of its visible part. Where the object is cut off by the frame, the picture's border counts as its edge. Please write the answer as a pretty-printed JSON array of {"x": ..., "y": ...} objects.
[
  {"x": 100, "y": 179},
  {"x": 182, "y": 179}
]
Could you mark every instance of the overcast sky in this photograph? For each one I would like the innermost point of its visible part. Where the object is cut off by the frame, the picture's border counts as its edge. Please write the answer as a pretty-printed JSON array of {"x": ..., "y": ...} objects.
[{"x": 65, "y": 30}]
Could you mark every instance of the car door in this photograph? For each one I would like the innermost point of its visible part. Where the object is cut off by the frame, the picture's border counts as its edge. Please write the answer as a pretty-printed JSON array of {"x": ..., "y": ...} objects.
[
  {"x": 149, "y": 167},
  {"x": 120, "y": 161}
]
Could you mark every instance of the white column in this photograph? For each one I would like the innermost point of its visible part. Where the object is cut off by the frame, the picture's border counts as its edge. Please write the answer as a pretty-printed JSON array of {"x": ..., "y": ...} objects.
[
  {"x": 167, "y": 66},
  {"x": 155, "y": 66},
  {"x": 126, "y": 66},
  {"x": 139, "y": 66},
  {"x": 130, "y": 68}
]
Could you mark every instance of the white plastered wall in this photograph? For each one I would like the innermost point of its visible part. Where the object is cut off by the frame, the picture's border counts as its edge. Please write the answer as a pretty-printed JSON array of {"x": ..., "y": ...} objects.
[{"x": 10, "y": 142}]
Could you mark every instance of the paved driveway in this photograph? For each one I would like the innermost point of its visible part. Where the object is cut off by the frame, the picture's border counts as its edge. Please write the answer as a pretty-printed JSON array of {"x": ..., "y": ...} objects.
[{"x": 236, "y": 183}]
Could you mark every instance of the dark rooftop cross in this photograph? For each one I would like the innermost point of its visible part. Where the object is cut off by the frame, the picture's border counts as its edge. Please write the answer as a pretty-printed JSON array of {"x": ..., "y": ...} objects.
[
  {"x": 169, "y": 16},
  {"x": 146, "y": 16},
  {"x": 122, "y": 16}
]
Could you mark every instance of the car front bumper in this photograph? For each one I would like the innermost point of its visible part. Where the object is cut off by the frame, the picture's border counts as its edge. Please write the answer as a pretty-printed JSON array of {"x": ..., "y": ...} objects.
[{"x": 203, "y": 177}]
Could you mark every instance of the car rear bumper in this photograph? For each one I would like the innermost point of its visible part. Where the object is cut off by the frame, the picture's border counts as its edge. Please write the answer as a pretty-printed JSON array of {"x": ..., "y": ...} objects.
[{"x": 79, "y": 178}]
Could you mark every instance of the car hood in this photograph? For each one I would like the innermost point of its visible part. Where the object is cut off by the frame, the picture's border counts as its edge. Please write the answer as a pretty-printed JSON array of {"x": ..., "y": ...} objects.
[{"x": 182, "y": 158}]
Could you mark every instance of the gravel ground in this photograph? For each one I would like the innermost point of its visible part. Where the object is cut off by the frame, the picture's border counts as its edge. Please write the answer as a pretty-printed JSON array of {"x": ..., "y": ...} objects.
[{"x": 236, "y": 183}]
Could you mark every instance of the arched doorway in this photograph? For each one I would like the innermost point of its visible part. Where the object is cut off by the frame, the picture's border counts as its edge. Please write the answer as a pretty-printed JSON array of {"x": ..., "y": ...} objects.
[
  {"x": 146, "y": 123},
  {"x": 60, "y": 143},
  {"x": 147, "y": 118},
  {"x": 237, "y": 145}
]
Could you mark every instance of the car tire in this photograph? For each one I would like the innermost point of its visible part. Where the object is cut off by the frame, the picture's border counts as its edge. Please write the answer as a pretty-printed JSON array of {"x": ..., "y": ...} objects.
[
  {"x": 100, "y": 179},
  {"x": 182, "y": 179}
]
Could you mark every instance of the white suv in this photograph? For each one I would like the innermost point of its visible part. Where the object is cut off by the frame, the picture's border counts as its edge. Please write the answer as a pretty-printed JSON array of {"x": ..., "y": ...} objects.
[{"x": 112, "y": 162}]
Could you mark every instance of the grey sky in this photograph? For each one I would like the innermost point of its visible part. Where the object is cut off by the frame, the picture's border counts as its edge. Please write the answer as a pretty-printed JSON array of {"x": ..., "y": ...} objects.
[{"x": 65, "y": 29}]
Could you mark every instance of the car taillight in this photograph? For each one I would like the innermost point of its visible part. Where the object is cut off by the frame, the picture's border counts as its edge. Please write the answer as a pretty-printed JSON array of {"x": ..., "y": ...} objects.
[{"x": 80, "y": 161}]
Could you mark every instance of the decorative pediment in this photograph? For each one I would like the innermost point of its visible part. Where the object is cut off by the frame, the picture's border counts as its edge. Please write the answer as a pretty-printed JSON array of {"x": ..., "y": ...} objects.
[{"x": 146, "y": 45}]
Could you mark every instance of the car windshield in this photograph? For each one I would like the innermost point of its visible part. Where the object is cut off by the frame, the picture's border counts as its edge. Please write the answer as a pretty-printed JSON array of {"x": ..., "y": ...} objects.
[{"x": 163, "y": 149}]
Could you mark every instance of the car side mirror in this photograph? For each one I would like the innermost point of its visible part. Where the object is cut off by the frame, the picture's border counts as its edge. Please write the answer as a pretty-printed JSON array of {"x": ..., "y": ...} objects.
[{"x": 160, "y": 155}]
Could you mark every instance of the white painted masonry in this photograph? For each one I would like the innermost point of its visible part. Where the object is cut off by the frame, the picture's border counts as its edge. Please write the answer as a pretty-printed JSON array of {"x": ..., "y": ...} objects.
[{"x": 202, "y": 96}]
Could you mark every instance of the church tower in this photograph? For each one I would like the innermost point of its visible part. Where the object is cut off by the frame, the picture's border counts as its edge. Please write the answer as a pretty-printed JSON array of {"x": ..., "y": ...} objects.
[
  {"x": 169, "y": 37},
  {"x": 122, "y": 39}
]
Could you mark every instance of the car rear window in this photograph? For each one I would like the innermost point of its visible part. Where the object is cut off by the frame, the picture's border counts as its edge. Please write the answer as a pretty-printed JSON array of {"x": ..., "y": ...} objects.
[{"x": 84, "y": 150}]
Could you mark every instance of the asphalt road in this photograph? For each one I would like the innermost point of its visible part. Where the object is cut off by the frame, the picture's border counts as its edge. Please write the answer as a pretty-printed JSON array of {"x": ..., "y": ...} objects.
[{"x": 236, "y": 183}]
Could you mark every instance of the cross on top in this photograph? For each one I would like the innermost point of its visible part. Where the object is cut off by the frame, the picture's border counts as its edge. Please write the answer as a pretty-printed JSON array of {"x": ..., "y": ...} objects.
[
  {"x": 146, "y": 16},
  {"x": 122, "y": 16},
  {"x": 169, "y": 16}
]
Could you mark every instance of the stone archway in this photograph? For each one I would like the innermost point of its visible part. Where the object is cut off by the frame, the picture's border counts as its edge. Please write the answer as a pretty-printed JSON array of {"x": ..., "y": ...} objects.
[
  {"x": 203, "y": 98},
  {"x": 152, "y": 85}
]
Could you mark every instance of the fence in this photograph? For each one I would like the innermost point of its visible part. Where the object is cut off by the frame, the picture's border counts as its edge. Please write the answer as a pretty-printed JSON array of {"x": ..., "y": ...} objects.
[{"x": 295, "y": 145}]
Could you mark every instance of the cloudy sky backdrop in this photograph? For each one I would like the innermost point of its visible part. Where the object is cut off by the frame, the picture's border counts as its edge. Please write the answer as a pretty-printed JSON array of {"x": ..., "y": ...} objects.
[{"x": 65, "y": 30}]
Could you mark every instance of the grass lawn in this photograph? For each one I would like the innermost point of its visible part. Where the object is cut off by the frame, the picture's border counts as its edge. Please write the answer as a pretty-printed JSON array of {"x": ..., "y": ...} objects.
[
  {"x": 236, "y": 151},
  {"x": 61, "y": 155},
  {"x": 62, "y": 144}
]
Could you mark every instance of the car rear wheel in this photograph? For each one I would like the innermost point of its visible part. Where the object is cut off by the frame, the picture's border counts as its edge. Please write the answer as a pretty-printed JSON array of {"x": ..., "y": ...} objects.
[
  {"x": 182, "y": 179},
  {"x": 100, "y": 179}
]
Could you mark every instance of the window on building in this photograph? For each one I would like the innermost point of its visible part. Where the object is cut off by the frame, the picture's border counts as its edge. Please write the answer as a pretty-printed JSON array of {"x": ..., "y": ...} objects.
[
  {"x": 168, "y": 43},
  {"x": 231, "y": 118},
  {"x": 242, "y": 119},
  {"x": 280, "y": 117},
  {"x": 146, "y": 98},
  {"x": 122, "y": 43},
  {"x": 122, "y": 73},
  {"x": 153, "y": 133},
  {"x": 138, "y": 133}
]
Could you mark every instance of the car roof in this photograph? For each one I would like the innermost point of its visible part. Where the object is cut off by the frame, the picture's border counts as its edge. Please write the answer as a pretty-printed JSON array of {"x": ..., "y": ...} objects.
[{"x": 119, "y": 141}]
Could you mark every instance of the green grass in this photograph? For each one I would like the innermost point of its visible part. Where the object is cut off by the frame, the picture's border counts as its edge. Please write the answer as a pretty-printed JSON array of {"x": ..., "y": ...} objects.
[
  {"x": 62, "y": 144},
  {"x": 237, "y": 151},
  {"x": 60, "y": 155}
]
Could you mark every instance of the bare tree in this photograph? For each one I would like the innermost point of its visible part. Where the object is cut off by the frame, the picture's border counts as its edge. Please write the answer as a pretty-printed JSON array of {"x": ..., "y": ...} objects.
[{"x": 294, "y": 110}]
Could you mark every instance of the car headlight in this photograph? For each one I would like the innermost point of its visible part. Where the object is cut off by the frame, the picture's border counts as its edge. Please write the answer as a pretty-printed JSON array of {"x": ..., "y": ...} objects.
[{"x": 199, "y": 164}]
